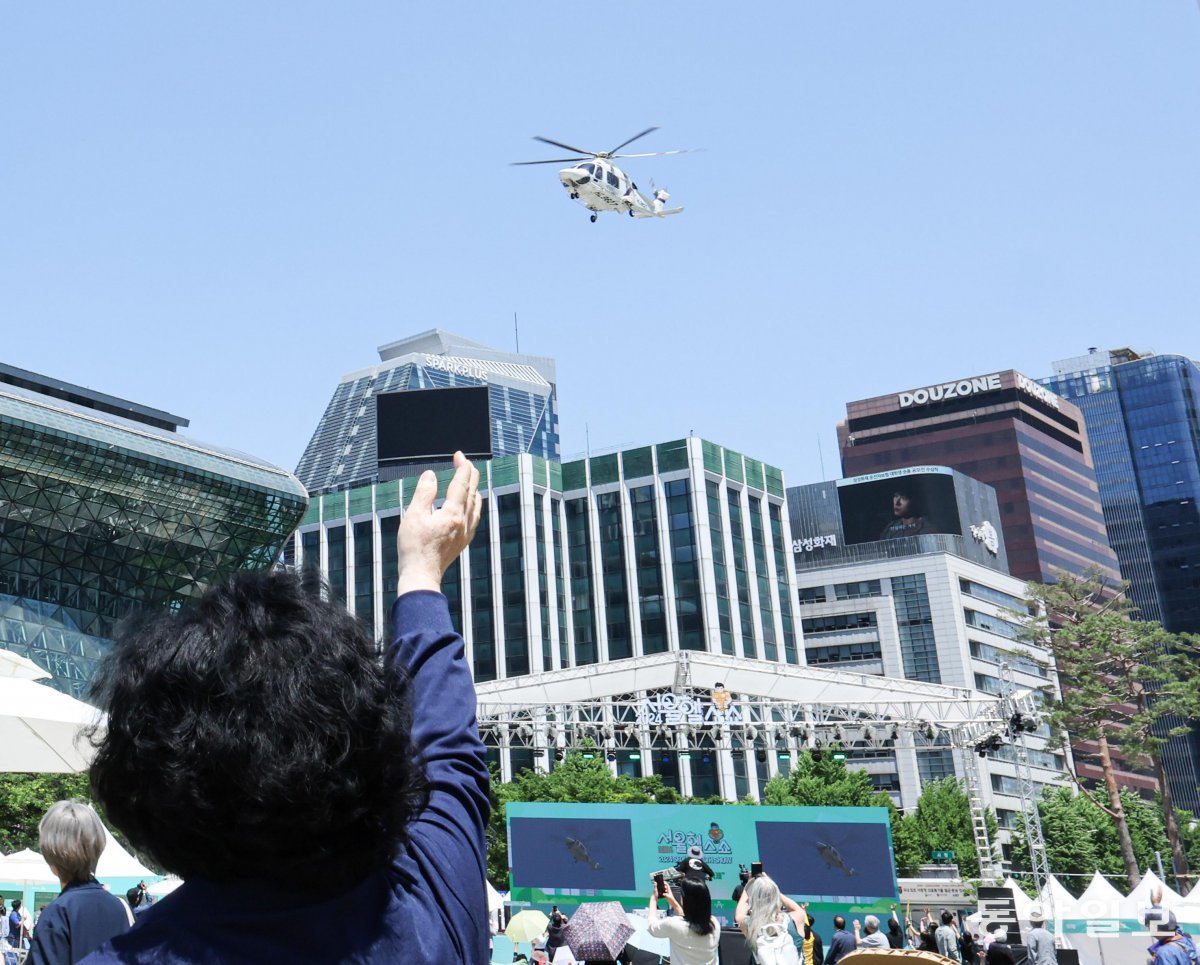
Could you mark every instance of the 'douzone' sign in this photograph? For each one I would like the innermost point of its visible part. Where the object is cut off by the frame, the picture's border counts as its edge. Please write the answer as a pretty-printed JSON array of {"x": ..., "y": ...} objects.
[{"x": 950, "y": 390}]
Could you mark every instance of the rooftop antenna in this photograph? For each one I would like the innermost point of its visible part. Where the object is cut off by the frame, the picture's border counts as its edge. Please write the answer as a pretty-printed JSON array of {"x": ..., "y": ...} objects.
[
  {"x": 516, "y": 333},
  {"x": 821, "y": 455}
]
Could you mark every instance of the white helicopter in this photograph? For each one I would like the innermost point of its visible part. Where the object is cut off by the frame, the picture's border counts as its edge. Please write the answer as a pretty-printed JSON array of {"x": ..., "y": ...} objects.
[{"x": 599, "y": 185}]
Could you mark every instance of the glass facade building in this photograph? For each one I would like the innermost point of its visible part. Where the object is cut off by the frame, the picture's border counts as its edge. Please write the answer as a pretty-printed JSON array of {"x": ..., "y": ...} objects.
[
  {"x": 1008, "y": 431},
  {"x": 521, "y": 394},
  {"x": 594, "y": 563},
  {"x": 106, "y": 510},
  {"x": 1143, "y": 420}
]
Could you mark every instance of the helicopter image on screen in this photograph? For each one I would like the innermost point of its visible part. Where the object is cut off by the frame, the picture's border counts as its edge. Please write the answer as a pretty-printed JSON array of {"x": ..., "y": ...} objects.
[{"x": 599, "y": 185}]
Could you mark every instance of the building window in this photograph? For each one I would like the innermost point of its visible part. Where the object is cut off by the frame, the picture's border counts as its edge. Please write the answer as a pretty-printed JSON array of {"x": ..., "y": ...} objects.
[
  {"x": 981, "y": 592},
  {"x": 839, "y": 623},
  {"x": 845, "y": 653},
  {"x": 786, "y": 617},
  {"x": 1015, "y": 659},
  {"x": 612, "y": 569},
  {"x": 935, "y": 765},
  {"x": 483, "y": 630},
  {"x": 720, "y": 572},
  {"x": 335, "y": 569},
  {"x": 539, "y": 512},
  {"x": 985, "y": 621},
  {"x": 918, "y": 647},
  {"x": 560, "y": 582},
  {"x": 811, "y": 594},
  {"x": 858, "y": 590},
  {"x": 741, "y": 574},
  {"x": 512, "y": 586},
  {"x": 579, "y": 555},
  {"x": 364, "y": 575},
  {"x": 765, "y": 609},
  {"x": 685, "y": 567},
  {"x": 651, "y": 606}
]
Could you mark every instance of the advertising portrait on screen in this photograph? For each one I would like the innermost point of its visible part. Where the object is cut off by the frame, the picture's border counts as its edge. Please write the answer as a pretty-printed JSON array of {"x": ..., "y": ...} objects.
[{"x": 897, "y": 504}]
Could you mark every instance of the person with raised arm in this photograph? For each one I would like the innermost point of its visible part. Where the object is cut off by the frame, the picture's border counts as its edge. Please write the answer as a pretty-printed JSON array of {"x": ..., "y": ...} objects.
[{"x": 261, "y": 747}]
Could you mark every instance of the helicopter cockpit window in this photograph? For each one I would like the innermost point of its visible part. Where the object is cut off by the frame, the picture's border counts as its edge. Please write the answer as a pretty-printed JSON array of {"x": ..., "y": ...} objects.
[
  {"x": 587, "y": 167},
  {"x": 612, "y": 179}
]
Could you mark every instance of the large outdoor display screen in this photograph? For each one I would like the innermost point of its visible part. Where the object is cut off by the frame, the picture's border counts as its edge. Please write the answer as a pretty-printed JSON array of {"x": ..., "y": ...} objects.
[
  {"x": 838, "y": 859},
  {"x": 892, "y": 505},
  {"x": 433, "y": 424}
]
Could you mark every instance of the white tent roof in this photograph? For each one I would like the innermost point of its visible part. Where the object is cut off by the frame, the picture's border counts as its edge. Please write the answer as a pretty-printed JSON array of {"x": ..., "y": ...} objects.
[
  {"x": 116, "y": 862},
  {"x": 26, "y": 868},
  {"x": 495, "y": 902},
  {"x": 1022, "y": 900},
  {"x": 1099, "y": 900},
  {"x": 1063, "y": 903},
  {"x": 1138, "y": 900}
]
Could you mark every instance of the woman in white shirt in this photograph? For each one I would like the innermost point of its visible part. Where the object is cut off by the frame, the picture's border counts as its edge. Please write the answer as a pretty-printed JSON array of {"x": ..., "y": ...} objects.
[{"x": 695, "y": 934}]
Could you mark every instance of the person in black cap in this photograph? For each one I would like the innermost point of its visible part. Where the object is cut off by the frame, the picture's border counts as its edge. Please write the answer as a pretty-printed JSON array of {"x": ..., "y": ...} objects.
[{"x": 694, "y": 865}]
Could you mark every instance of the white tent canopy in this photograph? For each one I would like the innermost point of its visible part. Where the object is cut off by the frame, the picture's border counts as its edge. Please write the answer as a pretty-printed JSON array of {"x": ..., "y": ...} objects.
[
  {"x": 1138, "y": 900},
  {"x": 1099, "y": 900},
  {"x": 26, "y": 868},
  {"x": 1062, "y": 905},
  {"x": 116, "y": 862},
  {"x": 1022, "y": 900}
]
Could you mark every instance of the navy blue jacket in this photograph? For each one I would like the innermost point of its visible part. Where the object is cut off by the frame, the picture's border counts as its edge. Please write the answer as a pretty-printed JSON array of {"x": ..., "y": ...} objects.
[
  {"x": 76, "y": 923},
  {"x": 429, "y": 905},
  {"x": 840, "y": 945}
]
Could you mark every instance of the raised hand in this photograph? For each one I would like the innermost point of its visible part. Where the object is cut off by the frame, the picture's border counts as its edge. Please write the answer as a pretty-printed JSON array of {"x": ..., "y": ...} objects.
[{"x": 429, "y": 539}]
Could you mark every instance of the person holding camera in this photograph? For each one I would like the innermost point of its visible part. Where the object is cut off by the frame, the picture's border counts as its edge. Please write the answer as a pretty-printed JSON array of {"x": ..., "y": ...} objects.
[{"x": 693, "y": 932}]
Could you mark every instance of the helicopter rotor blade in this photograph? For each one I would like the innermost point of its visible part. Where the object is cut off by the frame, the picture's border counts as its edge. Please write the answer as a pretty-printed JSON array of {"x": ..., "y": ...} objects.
[
  {"x": 557, "y": 160},
  {"x": 567, "y": 147},
  {"x": 686, "y": 150},
  {"x": 631, "y": 140}
]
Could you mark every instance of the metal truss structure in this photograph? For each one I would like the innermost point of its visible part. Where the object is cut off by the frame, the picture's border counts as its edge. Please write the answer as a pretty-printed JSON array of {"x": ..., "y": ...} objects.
[{"x": 696, "y": 701}]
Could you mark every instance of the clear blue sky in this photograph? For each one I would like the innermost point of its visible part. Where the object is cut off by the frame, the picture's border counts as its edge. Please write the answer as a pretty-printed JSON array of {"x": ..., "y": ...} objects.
[{"x": 219, "y": 208}]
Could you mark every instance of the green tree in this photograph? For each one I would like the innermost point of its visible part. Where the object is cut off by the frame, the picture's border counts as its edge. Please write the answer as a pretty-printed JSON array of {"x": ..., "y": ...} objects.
[
  {"x": 24, "y": 798},
  {"x": 941, "y": 821},
  {"x": 1130, "y": 685},
  {"x": 1081, "y": 836},
  {"x": 824, "y": 783}
]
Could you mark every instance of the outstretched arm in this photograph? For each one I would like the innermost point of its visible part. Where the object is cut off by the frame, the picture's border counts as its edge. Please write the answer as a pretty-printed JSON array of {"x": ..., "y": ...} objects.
[{"x": 446, "y": 840}]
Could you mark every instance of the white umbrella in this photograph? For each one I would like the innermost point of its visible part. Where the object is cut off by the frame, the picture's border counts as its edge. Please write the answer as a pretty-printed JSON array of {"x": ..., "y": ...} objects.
[
  {"x": 26, "y": 868},
  {"x": 641, "y": 937},
  {"x": 495, "y": 902},
  {"x": 14, "y": 665},
  {"x": 40, "y": 728}
]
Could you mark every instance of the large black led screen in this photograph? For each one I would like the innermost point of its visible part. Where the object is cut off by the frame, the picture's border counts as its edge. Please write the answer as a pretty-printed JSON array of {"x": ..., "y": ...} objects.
[
  {"x": 433, "y": 423},
  {"x": 909, "y": 505}
]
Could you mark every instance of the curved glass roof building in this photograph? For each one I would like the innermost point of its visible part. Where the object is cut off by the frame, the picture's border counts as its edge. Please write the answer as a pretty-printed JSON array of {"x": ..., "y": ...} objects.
[{"x": 105, "y": 509}]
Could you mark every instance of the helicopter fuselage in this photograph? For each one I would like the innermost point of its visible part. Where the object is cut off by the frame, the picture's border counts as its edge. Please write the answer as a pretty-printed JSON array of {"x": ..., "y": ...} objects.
[{"x": 601, "y": 186}]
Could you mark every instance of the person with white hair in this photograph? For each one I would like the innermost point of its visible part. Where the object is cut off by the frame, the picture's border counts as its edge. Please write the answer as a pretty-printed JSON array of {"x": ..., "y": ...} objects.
[
  {"x": 999, "y": 952},
  {"x": 870, "y": 935},
  {"x": 84, "y": 916},
  {"x": 770, "y": 920}
]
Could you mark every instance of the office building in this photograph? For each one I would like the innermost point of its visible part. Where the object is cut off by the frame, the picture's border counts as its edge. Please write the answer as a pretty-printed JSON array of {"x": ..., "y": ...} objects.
[
  {"x": 1008, "y": 431},
  {"x": 936, "y": 606},
  {"x": 105, "y": 509},
  {"x": 1142, "y": 421},
  {"x": 521, "y": 409},
  {"x": 638, "y": 604}
]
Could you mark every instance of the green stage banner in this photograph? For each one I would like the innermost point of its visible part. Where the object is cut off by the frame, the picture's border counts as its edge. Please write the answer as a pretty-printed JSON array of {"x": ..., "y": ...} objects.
[{"x": 835, "y": 858}]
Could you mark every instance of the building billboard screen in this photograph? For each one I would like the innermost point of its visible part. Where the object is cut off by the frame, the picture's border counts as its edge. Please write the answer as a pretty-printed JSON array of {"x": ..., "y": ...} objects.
[
  {"x": 835, "y": 858},
  {"x": 899, "y": 504},
  {"x": 433, "y": 424}
]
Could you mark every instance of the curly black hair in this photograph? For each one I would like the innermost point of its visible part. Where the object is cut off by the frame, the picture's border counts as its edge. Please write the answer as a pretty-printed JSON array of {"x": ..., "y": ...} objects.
[{"x": 259, "y": 735}]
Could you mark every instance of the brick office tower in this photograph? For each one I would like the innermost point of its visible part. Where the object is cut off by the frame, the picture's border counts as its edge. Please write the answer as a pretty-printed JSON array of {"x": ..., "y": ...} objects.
[{"x": 1011, "y": 433}]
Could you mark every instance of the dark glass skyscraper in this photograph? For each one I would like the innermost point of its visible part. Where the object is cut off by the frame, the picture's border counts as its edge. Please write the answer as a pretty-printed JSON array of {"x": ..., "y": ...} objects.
[{"x": 1143, "y": 423}]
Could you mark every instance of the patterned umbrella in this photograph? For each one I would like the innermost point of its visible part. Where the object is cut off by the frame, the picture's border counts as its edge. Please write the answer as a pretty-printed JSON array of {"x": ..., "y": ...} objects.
[
  {"x": 527, "y": 925},
  {"x": 598, "y": 930}
]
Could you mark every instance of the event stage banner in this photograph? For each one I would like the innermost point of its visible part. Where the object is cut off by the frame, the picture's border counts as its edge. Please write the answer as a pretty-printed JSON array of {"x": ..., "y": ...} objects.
[{"x": 831, "y": 857}]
